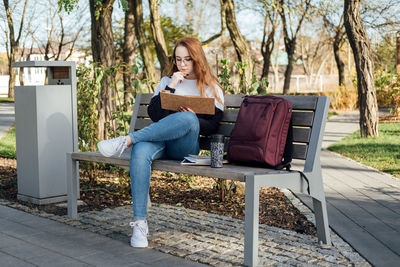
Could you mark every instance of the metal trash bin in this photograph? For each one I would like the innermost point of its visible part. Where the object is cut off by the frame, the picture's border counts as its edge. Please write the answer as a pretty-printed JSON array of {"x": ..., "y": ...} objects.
[{"x": 46, "y": 129}]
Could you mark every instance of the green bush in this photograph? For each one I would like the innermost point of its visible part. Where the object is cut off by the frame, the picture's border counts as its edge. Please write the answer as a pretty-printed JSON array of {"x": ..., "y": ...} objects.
[
  {"x": 8, "y": 145},
  {"x": 388, "y": 91},
  {"x": 89, "y": 86}
]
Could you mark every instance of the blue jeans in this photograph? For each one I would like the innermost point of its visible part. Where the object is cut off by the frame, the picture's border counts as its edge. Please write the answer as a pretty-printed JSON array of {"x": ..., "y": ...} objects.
[{"x": 175, "y": 136}]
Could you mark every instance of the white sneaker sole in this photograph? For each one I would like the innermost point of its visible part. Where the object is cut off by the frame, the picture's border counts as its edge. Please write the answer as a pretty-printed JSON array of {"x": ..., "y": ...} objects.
[
  {"x": 143, "y": 244},
  {"x": 102, "y": 151}
]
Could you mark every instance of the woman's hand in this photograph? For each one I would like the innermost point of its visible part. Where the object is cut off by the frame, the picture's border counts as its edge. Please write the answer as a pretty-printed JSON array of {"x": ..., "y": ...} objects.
[
  {"x": 176, "y": 78},
  {"x": 183, "y": 109}
]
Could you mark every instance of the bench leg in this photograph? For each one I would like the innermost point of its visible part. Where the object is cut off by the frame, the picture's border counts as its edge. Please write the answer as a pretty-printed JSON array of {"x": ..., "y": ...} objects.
[
  {"x": 72, "y": 187},
  {"x": 252, "y": 199},
  {"x": 321, "y": 220}
]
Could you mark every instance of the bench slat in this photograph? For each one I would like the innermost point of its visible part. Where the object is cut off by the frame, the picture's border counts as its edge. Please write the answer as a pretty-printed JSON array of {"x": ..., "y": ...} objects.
[
  {"x": 302, "y": 102},
  {"x": 145, "y": 99},
  {"x": 141, "y": 123},
  {"x": 97, "y": 157},
  {"x": 299, "y": 149},
  {"x": 300, "y": 118},
  {"x": 229, "y": 171},
  {"x": 142, "y": 113},
  {"x": 301, "y": 135},
  {"x": 299, "y": 102}
]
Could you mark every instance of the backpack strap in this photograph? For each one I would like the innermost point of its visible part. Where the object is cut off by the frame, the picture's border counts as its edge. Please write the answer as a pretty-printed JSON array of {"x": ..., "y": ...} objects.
[
  {"x": 305, "y": 178},
  {"x": 288, "y": 152},
  {"x": 302, "y": 175}
]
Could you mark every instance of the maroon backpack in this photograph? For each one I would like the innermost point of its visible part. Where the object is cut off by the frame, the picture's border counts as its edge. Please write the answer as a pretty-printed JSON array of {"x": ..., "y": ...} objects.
[{"x": 262, "y": 134}]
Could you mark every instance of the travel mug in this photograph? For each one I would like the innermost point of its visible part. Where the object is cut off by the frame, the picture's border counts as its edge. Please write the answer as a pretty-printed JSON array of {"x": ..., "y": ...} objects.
[{"x": 217, "y": 150}]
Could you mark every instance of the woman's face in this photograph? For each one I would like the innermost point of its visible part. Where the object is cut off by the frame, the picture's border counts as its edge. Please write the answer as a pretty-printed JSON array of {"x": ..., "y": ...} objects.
[{"x": 184, "y": 62}]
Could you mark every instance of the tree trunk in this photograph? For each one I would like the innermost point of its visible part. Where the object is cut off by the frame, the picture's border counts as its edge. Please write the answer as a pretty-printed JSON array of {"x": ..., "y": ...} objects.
[
  {"x": 12, "y": 71},
  {"x": 144, "y": 48},
  {"x": 129, "y": 54},
  {"x": 11, "y": 81},
  {"x": 14, "y": 43},
  {"x": 158, "y": 35},
  {"x": 339, "y": 62},
  {"x": 241, "y": 47},
  {"x": 21, "y": 76},
  {"x": 266, "y": 64},
  {"x": 361, "y": 47},
  {"x": 265, "y": 51},
  {"x": 290, "y": 41},
  {"x": 266, "y": 48},
  {"x": 288, "y": 71},
  {"x": 104, "y": 52}
]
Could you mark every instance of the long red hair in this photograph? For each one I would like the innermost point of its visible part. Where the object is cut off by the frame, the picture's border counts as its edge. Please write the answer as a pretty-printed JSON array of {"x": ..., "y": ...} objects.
[{"x": 201, "y": 68}]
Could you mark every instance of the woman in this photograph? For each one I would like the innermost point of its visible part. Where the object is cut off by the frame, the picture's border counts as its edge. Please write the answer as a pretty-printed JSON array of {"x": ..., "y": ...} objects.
[{"x": 172, "y": 134}]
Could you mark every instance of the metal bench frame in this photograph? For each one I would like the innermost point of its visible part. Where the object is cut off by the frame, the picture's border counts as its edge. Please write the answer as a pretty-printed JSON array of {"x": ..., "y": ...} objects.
[{"x": 309, "y": 118}]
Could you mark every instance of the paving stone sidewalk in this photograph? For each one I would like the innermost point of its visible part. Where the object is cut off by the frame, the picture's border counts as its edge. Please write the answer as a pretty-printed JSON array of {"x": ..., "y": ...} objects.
[
  {"x": 214, "y": 239},
  {"x": 7, "y": 117}
]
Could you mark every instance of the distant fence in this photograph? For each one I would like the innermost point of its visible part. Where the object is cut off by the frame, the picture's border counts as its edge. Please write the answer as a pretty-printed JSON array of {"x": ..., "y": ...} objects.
[{"x": 304, "y": 83}]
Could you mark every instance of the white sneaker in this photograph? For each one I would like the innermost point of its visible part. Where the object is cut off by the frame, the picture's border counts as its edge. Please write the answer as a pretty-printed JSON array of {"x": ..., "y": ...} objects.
[
  {"x": 139, "y": 234},
  {"x": 113, "y": 146}
]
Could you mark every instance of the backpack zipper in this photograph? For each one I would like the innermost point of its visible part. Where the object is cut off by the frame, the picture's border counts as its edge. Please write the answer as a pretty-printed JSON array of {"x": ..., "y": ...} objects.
[{"x": 246, "y": 103}]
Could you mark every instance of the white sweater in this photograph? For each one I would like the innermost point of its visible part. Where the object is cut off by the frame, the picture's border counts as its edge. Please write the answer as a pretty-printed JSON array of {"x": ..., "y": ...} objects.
[{"x": 189, "y": 87}]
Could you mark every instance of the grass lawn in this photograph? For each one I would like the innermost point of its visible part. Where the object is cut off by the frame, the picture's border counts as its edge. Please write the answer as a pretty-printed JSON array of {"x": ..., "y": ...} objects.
[
  {"x": 382, "y": 153},
  {"x": 6, "y": 100},
  {"x": 332, "y": 113},
  {"x": 7, "y": 144}
]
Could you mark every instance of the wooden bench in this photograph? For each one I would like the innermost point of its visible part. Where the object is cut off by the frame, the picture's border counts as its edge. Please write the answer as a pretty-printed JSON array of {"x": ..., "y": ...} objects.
[{"x": 309, "y": 117}]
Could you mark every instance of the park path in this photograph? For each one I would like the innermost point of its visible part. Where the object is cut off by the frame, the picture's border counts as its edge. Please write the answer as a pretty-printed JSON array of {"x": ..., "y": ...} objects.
[
  {"x": 363, "y": 204},
  {"x": 7, "y": 117}
]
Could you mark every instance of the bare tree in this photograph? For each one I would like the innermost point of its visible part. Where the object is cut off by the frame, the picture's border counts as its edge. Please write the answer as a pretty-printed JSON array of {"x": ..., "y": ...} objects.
[
  {"x": 199, "y": 14},
  {"x": 362, "y": 52},
  {"x": 275, "y": 64},
  {"x": 330, "y": 14},
  {"x": 238, "y": 40},
  {"x": 290, "y": 33},
  {"x": 158, "y": 35},
  {"x": 338, "y": 41},
  {"x": 314, "y": 53},
  {"x": 12, "y": 44},
  {"x": 29, "y": 32},
  {"x": 61, "y": 39},
  {"x": 271, "y": 22},
  {"x": 144, "y": 48},
  {"x": 380, "y": 15},
  {"x": 129, "y": 48}
]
